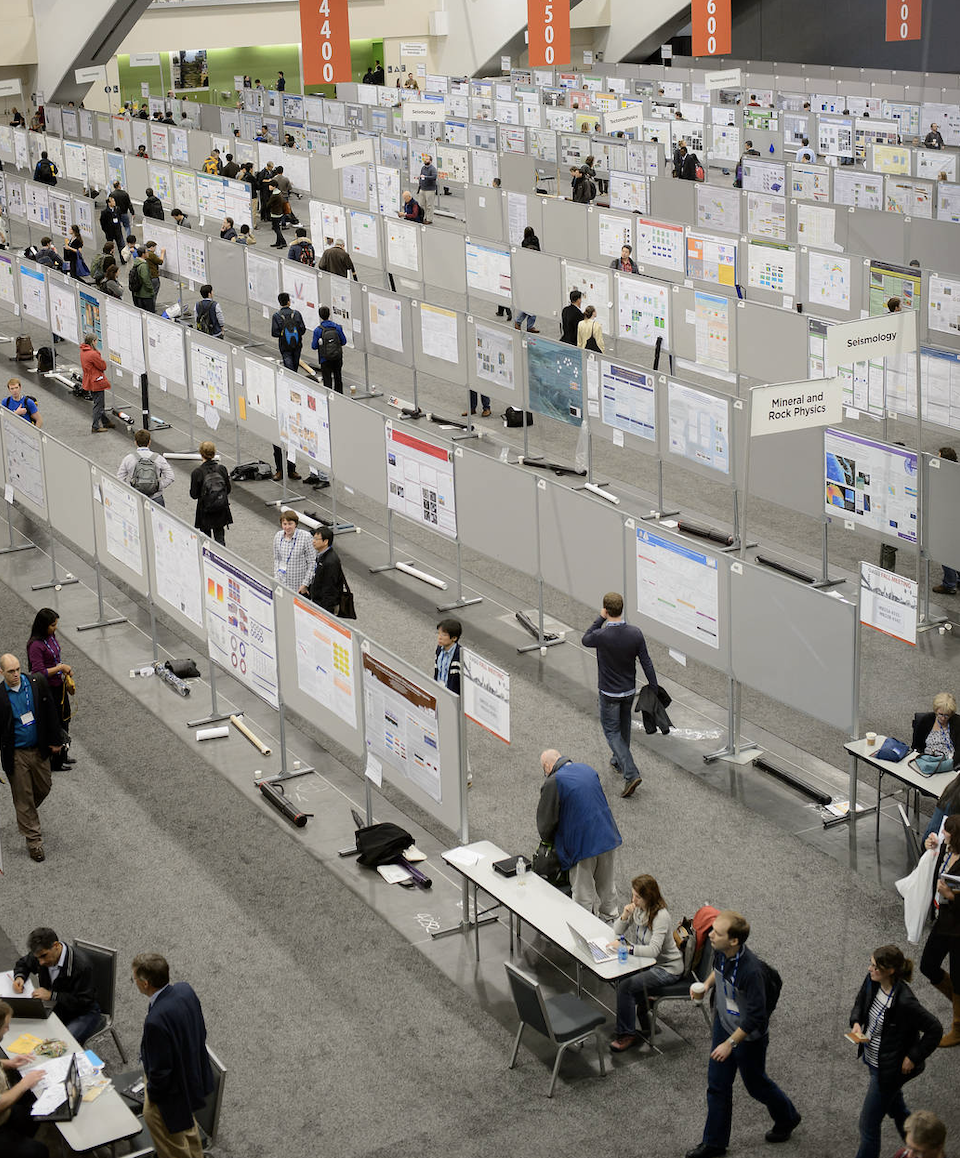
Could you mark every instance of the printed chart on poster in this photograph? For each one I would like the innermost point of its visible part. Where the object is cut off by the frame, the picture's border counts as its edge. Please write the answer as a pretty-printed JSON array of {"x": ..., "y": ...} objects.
[
  {"x": 488, "y": 269},
  {"x": 871, "y": 484},
  {"x": 494, "y": 356},
  {"x": 33, "y": 293},
  {"x": 679, "y": 587},
  {"x": 943, "y": 306},
  {"x": 712, "y": 329},
  {"x": 699, "y": 426},
  {"x": 90, "y": 320},
  {"x": 165, "y": 351},
  {"x": 772, "y": 267},
  {"x": 660, "y": 244},
  {"x": 438, "y": 333},
  {"x": 23, "y": 460},
  {"x": 712, "y": 259},
  {"x": 627, "y": 400},
  {"x": 554, "y": 380},
  {"x": 893, "y": 281},
  {"x": 325, "y": 669},
  {"x": 420, "y": 481},
  {"x": 304, "y": 419},
  {"x": 177, "y": 565},
  {"x": 828, "y": 281},
  {"x": 402, "y": 726},
  {"x": 209, "y": 373},
  {"x": 240, "y": 625},
  {"x": 888, "y": 602},
  {"x": 384, "y": 321},
  {"x": 644, "y": 308},
  {"x": 486, "y": 694},
  {"x": 767, "y": 216},
  {"x": 192, "y": 256},
  {"x": 941, "y": 387},
  {"x": 121, "y": 517},
  {"x": 63, "y": 311}
]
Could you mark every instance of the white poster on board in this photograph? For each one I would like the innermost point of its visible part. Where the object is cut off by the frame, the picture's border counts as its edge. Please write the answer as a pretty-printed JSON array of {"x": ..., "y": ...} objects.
[
  {"x": 23, "y": 461},
  {"x": 121, "y": 517},
  {"x": 485, "y": 689},
  {"x": 263, "y": 279},
  {"x": 699, "y": 426},
  {"x": 125, "y": 336},
  {"x": 870, "y": 484},
  {"x": 402, "y": 724},
  {"x": 33, "y": 293},
  {"x": 210, "y": 377},
  {"x": 679, "y": 587},
  {"x": 493, "y": 351},
  {"x": 488, "y": 269},
  {"x": 888, "y": 603},
  {"x": 304, "y": 418},
  {"x": 176, "y": 561},
  {"x": 383, "y": 321},
  {"x": 240, "y": 625},
  {"x": 594, "y": 284},
  {"x": 943, "y": 305},
  {"x": 63, "y": 311},
  {"x": 300, "y": 282},
  {"x": 438, "y": 333},
  {"x": 829, "y": 281},
  {"x": 164, "y": 348},
  {"x": 260, "y": 386},
  {"x": 643, "y": 309},
  {"x": 325, "y": 669},
  {"x": 420, "y": 481}
]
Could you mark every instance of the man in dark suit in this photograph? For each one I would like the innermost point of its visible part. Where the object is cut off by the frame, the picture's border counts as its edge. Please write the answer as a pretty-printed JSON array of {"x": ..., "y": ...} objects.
[
  {"x": 29, "y": 732},
  {"x": 66, "y": 978},
  {"x": 571, "y": 317},
  {"x": 327, "y": 582},
  {"x": 173, "y": 1052}
]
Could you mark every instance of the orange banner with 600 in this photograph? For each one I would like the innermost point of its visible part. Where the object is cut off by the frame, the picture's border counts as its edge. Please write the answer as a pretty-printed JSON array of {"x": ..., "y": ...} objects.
[{"x": 712, "y": 32}]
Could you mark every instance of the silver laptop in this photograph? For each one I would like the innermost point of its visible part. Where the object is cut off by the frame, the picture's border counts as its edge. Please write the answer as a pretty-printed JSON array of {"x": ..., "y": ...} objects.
[{"x": 597, "y": 948}]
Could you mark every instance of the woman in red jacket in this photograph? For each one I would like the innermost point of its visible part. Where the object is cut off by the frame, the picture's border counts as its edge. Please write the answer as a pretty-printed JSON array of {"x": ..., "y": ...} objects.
[{"x": 95, "y": 381}]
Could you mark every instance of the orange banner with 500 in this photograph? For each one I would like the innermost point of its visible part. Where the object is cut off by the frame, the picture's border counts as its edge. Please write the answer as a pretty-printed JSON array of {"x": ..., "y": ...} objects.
[
  {"x": 548, "y": 32},
  {"x": 712, "y": 32},
  {"x": 325, "y": 36}
]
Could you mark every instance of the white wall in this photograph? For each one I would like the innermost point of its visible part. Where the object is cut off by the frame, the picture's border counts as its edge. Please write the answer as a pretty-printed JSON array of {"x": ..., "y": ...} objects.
[{"x": 632, "y": 22}]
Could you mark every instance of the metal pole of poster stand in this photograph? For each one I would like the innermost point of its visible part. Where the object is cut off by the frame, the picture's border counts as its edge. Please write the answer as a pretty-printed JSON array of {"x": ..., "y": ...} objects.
[
  {"x": 55, "y": 580},
  {"x": 406, "y": 567},
  {"x": 215, "y": 716},
  {"x": 925, "y": 621},
  {"x": 14, "y": 547},
  {"x": 102, "y": 620},
  {"x": 298, "y": 769},
  {"x": 544, "y": 639}
]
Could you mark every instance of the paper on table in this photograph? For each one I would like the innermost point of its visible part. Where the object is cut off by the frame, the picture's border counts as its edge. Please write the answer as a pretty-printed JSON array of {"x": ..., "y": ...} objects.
[
  {"x": 393, "y": 874},
  {"x": 413, "y": 854},
  {"x": 462, "y": 855},
  {"x": 25, "y": 1043},
  {"x": 48, "y": 1101},
  {"x": 6, "y": 986}
]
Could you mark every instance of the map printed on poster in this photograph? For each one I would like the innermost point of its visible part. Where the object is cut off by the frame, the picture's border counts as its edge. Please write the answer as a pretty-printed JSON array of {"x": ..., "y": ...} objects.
[
  {"x": 438, "y": 333},
  {"x": 717, "y": 208},
  {"x": 494, "y": 356},
  {"x": 260, "y": 386},
  {"x": 486, "y": 694},
  {"x": 241, "y": 633},
  {"x": 488, "y": 269},
  {"x": 679, "y": 587},
  {"x": 176, "y": 561},
  {"x": 627, "y": 400},
  {"x": 554, "y": 380},
  {"x": 420, "y": 481},
  {"x": 22, "y": 459},
  {"x": 325, "y": 669},
  {"x": 121, "y": 518},
  {"x": 643, "y": 310},
  {"x": 888, "y": 603},
  {"x": 210, "y": 375},
  {"x": 164, "y": 348},
  {"x": 767, "y": 216},
  {"x": 304, "y": 418},
  {"x": 660, "y": 243},
  {"x": 871, "y": 484},
  {"x": 63, "y": 311},
  {"x": 699, "y": 426},
  {"x": 402, "y": 725},
  {"x": 828, "y": 279},
  {"x": 125, "y": 337}
]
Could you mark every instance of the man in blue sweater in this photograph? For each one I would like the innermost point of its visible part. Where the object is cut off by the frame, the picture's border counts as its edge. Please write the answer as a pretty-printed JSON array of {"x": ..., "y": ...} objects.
[
  {"x": 573, "y": 815},
  {"x": 619, "y": 645}
]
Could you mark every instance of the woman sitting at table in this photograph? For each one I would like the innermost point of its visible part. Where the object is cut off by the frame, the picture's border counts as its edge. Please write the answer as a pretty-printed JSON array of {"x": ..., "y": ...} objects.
[
  {"x": 648, "y": 928},
  {"x": 16, "y": 1126},
  {"x": 937, "y": 733}
]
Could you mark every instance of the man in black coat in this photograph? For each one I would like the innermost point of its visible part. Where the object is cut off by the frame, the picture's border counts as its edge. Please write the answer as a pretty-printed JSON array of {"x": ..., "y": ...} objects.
[
  {"x": 571, "y": 317},
  {"x": 327, "y": 582},
  {"x": 173, "y": 1051},
  {"x": 29, "y": 732},
  {"x": 66, "y": 978}
]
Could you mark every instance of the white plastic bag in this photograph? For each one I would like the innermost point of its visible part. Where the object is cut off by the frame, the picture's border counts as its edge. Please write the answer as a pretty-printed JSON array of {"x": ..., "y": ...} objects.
[{"x": 917, "y": 891}]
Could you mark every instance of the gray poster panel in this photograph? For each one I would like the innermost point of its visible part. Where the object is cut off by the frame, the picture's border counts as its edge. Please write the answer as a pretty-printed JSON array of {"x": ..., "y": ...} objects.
[
  {"x": 788, "y": 469},
  {"x": 137, "y": 177},
  {"x": 484, "y": 484},
  {"x": 876, "y": 231},
  {"x": 586, "y": 564},
  {"x": 294, "y": 656},
  {"x": 23, "y": 463},
  {"x": 674, "y": 200},
  {"x": 324, "y": 180},
  {"x": 447, "y": 809},
  {"x": 677, "y": 571},
  {"x": 495, "y": 360},
  {"x": 126, "y": 530},
  {"x": 818, "y": 306},
  {"x": 941, "y": 528},
  {"x": 794, "y": 644},
  {"x": 227, "y": 272},
  {"x": 252, "y": 378},
  {"x": 518, "y": 171},
  {"x": 444, "y": 264},
  {"x": 683, "y": 304},
  {"x": 402, "y": 357},
  {"x": 427, "y": 320},
  {"x": 484, "y": 213},
  {"x": 771, "y": 343},
  {"x": 71, "y": 498},
  {"x": 198, "y": 146},
  {"x": 697, "y": 437},
  {"x": 566, "y": 227},
  {"x": 537, "y": 284},
  {"x": 175, "y": 570},
  {"x": 933, "y": 245},
  {"x": 358, "y": 447}
]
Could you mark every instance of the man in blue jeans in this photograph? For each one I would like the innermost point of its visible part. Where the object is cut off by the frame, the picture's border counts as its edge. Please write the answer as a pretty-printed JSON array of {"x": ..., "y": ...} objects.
[
  {"x": 66, "y": 978},
  {"x": 619, "y": 645},
  {"x": 740, "y": 1039}
]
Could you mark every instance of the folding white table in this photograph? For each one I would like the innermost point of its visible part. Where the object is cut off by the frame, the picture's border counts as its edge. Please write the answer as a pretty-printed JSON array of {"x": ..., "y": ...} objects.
[{"x": 900, "y": 770}]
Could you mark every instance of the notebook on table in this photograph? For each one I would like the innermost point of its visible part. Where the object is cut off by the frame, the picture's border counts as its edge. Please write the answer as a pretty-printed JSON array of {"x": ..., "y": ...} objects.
[{"x": 31, "y": 1007}]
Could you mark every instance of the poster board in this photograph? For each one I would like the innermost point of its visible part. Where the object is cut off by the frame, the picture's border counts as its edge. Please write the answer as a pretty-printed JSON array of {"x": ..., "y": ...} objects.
[
  {"x": 420, "y": 480},
  {"x": 941, "y": 528},
  {"x": 175, "y": 576},
  {"x": 483, "y": 485},
  {"x": 71, "y": 501},
  {"x": 23, "y": 463},
  {"x": 353, "y": 424},
  {"x": 593, "y": 562},
  {"x": 119, "y": 526},
  {"x": 439, "y": 341}
]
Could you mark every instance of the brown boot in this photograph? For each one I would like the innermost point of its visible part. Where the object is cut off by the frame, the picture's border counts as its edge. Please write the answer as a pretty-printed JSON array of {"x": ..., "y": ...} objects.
[
  {"x": 953, "y": 1037},
  {"x": 945, "y": 985}
]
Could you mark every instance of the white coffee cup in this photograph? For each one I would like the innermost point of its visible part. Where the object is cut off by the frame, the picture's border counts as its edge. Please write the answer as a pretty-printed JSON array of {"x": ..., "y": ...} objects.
[
  {"x": 871, "y": 739},
  {"x": 697, "y": 990}
]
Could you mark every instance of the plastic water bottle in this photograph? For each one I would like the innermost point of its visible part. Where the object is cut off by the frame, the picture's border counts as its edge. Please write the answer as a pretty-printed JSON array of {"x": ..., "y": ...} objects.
[
  {"x": 622, "y": 952},
  {"x": 521, "y": 871}
]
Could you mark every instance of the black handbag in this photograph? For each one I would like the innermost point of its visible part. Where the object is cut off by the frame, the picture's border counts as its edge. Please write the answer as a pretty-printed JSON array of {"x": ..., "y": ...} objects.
[
  {"x": 347, "y": 608},
  {"x": 546, "y": 864}
]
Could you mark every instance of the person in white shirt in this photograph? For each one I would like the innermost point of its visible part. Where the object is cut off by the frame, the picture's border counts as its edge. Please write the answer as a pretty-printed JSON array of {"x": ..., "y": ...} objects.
[
  {"x": 141, "y": 477},
  {"x": 806, "y": 152}
]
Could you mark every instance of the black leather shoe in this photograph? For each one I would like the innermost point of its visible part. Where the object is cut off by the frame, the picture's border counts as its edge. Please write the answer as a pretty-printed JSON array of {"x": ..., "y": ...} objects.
[
  {"x": 37, "y": 853},
  {"x": 705, "y": 1151},
  {"x": 782, "y": 1133}
]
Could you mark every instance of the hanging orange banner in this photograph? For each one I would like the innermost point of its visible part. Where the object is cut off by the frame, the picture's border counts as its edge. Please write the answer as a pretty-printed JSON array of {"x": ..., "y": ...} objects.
[
  {"x": 548, "y": 32},
  {"x": 325, "y": 36},
  {"x": 712, "y": 27},
  {"x": 903, "y": 19}
]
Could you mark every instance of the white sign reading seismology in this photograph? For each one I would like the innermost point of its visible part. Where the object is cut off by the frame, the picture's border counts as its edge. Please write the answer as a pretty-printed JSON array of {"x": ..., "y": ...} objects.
[
  {"x": 424, "y": 111},
  {"x": 353, "y": 153},
  {"x": 882, "y": 337},
  {"x": 796, "y": 405},
  {"x": 729, "y": 78}
]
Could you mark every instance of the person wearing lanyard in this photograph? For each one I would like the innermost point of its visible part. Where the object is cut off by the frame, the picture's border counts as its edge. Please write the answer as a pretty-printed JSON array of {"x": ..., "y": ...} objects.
[
  {"x": 895, "y": 1036},
  {"x": 43, "y": 655},
  {"x": 740, "y": 1039},
  {"x": 293, "y": 555},
  {"x": 944, "y": 938}
]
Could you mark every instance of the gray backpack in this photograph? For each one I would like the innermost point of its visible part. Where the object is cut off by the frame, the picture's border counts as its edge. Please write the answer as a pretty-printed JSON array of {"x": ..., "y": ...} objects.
[{"x": 146, "y": 475}]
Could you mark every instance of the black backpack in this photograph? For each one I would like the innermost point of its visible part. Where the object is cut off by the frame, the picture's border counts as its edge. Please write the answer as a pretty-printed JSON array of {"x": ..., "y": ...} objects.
[
  {"x": 207, "y": 316},
  {"x": 213, "y": 494},
  {"x": 383, "y": 843},
  {"x": 45, "y": 172},
  {"x": 307, "y": 253},
  {"x": 289, "y": 336},
  {"x": 591, "y": 187},
  {"x": 330, "y": 346},
  {"x": 44, "y": 359},
  {"x": 772, "y": 984}
]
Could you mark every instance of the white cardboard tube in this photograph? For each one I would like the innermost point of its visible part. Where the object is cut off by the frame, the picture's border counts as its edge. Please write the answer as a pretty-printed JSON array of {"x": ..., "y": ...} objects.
[
  {"x": 254, "y": 740},
  {"x": 212, "y": 733}
]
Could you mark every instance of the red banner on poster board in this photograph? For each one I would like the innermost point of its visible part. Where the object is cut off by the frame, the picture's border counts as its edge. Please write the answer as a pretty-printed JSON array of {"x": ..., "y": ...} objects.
[
  {"x": 325, "y": 36},
  {"x": 903, "y": 20},
  {"x": 712, "y": 27},
  {"x": 548, "y": 32}
]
